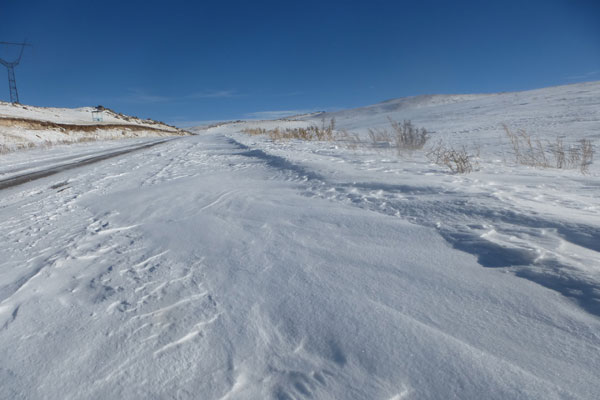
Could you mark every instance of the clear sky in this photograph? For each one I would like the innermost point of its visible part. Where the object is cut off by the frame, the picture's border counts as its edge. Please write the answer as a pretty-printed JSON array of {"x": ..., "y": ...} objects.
[{"x": 185, "y": 61}]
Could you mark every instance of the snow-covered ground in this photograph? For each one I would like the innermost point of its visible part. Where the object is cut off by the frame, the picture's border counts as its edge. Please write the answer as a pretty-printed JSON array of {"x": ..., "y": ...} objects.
[
  {"x": 569, "y": 112},
  {"x": 26, "y": 127},
  {"x": 229, "y": 266}
]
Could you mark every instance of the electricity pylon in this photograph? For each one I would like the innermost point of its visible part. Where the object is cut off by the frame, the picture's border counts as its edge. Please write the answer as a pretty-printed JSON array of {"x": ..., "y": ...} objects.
[{"x": 10, "y": 66}]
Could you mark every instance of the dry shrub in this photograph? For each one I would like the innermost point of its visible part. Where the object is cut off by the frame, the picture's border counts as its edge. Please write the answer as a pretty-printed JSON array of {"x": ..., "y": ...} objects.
[
  {"x": 457, "y": 161},
  {"x": 528, "y": 151},
  {"x": 407, "y": 136},
  {"x": 587, "y": 155},
  {"x": 351, "y": 139},
  {"x": 404, "y": 137},
  {"x": 533, "y": 152},
  {"x": 327, "y": 131},
  {"x": 380, "y": 137}
]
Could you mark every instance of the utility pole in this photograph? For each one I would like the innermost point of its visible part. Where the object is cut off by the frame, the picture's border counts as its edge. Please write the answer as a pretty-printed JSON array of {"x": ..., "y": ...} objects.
[{"x": 10, "y": 66}]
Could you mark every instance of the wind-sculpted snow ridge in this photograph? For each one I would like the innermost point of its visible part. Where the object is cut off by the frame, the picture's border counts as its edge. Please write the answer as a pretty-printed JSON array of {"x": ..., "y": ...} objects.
[
  {"x": 230, "y": 266},
  {"x": 207, "y": 267},
  {"x": 26, "y": 127},
  {"x": 557, "y": 253}
]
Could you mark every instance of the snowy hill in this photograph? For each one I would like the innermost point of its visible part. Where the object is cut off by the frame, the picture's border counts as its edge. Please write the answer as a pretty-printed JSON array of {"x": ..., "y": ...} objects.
[
  {"x": 477, "y": 122},
  {"x": 23, "y": 126},
  {"x": 571, "y": 112},
  {"x": 562, "y": 110},
  {"x": 235, "y": 264}
]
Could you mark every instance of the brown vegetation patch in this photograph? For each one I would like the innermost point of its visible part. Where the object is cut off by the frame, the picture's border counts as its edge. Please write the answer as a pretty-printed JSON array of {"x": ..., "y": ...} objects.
[{"x": 35, "y": 124}]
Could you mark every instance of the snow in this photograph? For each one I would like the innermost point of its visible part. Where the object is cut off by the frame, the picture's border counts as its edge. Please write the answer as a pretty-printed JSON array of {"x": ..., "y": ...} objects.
[
  {"x": 42, "y": 158},
  {"x": 26, "y": 127},
  {"x": 225, "y": 265},
  {"x": 80, "y": 116}
]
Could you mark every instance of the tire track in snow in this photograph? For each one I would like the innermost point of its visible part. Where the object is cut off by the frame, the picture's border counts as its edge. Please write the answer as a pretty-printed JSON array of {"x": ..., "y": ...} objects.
[{"x": 31, "y": 176}]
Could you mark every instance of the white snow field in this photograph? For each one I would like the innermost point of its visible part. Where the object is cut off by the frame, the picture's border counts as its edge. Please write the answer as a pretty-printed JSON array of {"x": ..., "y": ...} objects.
[{"x": 230, "y": 266}]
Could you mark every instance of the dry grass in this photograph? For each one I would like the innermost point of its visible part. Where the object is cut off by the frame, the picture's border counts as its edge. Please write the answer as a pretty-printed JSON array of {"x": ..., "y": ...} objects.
[
  {"x": 325, "y": 132},
  {"x": 587, "y": 155},
  {"x": 380, "y": 137},
  {"x": 350, "y": 139},
  {"x": 40, "y": 125},
  {"x": 458, "y": 161},
  {"x": 408, "y": 137},
  {"x": 404, "y": 137},
  {"x": 4, "y": 149},
  {"x": 74, "y": 133},
  {"x": 532, "y": 151}
]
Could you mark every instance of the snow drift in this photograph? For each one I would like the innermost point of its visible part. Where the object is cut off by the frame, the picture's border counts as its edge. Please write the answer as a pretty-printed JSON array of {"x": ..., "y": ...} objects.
[{"x": 231, "y": 266}]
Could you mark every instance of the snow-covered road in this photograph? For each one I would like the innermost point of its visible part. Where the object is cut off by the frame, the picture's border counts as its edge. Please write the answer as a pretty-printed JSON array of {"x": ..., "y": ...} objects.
[
  {"x": 214, "y": 267},
  {"x": 17, "y": 175}
]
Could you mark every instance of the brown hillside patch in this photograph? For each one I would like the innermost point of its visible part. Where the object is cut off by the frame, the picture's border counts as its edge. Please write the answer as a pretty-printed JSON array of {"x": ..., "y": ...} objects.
[{"x": 34, "y": 124}]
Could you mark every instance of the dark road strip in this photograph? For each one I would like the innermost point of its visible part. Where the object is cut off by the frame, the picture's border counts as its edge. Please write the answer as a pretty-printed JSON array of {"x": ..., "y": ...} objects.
[{"x": 20, "y": 179}]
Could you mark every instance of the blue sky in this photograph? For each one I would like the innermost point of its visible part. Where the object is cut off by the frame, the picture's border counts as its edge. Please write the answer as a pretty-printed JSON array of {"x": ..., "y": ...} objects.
[{"x": 183, "y": 61}]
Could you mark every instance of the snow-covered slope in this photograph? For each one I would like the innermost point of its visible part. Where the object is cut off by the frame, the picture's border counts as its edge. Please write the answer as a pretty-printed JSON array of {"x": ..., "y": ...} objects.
[
  {"x": 572, "y": 110},
  {"x": 230, "y": 266},
  {"x": 24, "y": 126},
  {"x": 569, "y": 112}
]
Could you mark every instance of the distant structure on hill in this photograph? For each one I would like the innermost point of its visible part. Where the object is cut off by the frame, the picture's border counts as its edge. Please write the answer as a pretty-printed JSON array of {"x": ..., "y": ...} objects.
[
  {"x": 98, "y": 114},
  {"x": 10, "y": 66}
]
